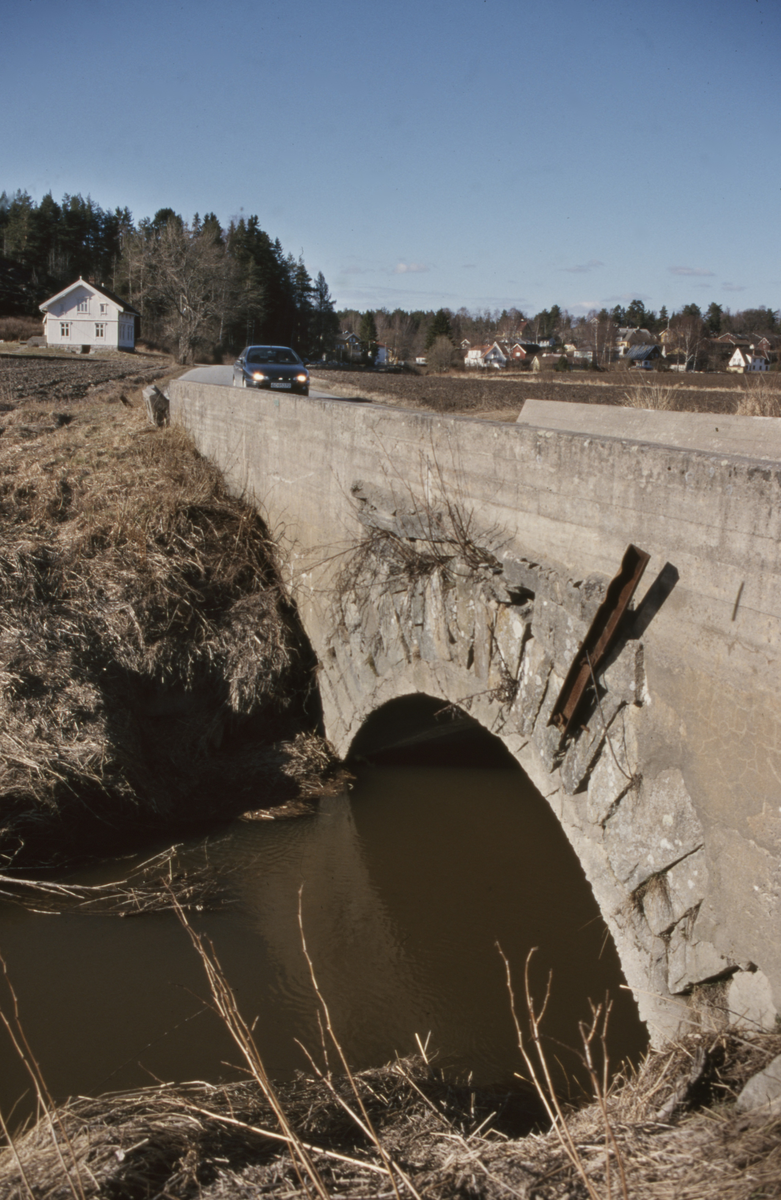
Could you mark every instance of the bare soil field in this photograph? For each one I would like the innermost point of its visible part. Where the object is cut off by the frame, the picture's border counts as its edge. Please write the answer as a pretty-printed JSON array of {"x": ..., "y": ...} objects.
[
  {"x": 58, "y": 380},
  {"x": 500, "y": 396}
]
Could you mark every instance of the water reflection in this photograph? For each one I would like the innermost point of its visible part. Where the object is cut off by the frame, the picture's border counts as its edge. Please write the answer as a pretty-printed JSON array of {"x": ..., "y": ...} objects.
[{"x": 408, "y": 883}]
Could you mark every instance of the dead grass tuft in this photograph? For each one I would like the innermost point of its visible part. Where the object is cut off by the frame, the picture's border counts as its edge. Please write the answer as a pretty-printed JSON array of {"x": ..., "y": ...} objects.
[
  {"x": 759, "y": 397},
  {"x": 663, "y": 397}
]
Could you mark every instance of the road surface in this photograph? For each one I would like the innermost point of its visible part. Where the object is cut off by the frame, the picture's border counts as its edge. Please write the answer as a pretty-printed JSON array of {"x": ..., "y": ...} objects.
[{"x": 224, "y": 376}]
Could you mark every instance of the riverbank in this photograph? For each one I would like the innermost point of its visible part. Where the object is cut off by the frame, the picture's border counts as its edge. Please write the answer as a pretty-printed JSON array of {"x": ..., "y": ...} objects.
[
  {"x": 154, "y": 672},
  {"x": 670, "y": 1132}
]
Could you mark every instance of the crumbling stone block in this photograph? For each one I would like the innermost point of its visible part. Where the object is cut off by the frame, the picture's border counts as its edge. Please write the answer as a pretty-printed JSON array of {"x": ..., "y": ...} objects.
[
  {"x": 763, "y": 1091},
  {"x": 691, "y": 961},
  {"x": 611, "y": 778},
  {"x": 652, "y": 828},
  {"x": 670, "y": 896},
  {"x": 511, "y": 629},
  {"x": 559, "y": 632},
  {"x": 535, "y": 670},
  {"x": 586, "y": 745},
  {"x": 749, "y": 1001}
]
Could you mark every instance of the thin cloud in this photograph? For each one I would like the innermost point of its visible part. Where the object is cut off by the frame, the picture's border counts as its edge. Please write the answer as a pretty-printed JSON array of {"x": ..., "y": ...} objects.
[
  {"x": 627, "y": 298},
  {"x": 584, "y": 268},
  {"x": 413, "y": 268},
  {"x": 733, "y": 287},
  {"x": 689, "y": 271}
]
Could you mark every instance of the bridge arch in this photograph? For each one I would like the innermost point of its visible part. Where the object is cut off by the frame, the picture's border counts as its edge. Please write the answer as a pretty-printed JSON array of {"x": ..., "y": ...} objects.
[
  {"x": 669, "y": 792},
  {"x": 468, "y": 837},
  {"x": 494, "y": 642}
]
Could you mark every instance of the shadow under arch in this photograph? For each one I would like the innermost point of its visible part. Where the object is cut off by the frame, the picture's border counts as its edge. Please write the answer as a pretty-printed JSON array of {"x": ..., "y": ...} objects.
[
  {"x": 419, "y": 729},
  {"x": 464, "y": 853}
]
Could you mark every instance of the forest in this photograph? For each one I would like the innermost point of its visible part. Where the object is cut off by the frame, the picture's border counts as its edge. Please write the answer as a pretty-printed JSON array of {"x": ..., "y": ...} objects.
[{"x": 202, "y": 290}]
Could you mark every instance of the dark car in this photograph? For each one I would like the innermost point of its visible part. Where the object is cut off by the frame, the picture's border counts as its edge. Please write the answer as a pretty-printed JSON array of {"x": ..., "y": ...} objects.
[{"x": 273, "y": 367}]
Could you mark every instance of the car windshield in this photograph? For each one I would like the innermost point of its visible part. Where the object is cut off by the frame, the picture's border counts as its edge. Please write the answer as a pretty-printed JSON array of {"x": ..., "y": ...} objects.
[{"x": 272, "y": 354}]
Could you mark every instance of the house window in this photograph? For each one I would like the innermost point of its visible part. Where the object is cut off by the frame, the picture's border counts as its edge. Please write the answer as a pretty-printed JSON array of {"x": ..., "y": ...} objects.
[
  {"x": 65, "y": 329},
  {"x": 103, "y": 309},
  {"x": 100, "y": 329},
  {"x": 84, "y": 306}
]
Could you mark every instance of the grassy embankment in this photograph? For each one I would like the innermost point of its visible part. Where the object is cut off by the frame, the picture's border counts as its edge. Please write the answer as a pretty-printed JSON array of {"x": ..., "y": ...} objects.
[{"x": 153, "y": 671}]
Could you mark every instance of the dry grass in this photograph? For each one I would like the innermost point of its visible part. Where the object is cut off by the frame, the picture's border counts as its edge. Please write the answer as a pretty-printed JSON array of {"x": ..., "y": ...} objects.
[
  {"x": 760, "y": 397},
  {"x": 663, "y": 397},
  {"x": 152, "y": 669},
  {"x": 161, "y": 883}
]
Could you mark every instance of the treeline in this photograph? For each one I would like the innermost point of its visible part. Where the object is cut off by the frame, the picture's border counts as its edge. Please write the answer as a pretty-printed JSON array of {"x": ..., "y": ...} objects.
[
  {"x": 408, "y": 335},
  {"x": 202, "y": 290}
]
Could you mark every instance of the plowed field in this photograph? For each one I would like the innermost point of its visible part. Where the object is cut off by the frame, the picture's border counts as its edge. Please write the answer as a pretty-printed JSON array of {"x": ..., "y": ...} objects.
[
  {"x": 58, "y": 380},
  {"x": 501, "y": 396}
]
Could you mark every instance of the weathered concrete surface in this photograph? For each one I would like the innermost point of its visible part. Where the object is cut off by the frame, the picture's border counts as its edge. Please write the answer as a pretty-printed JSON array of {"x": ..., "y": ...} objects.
[
  {"x": 465, "y": 559},
  {"x": 709, "y": 433}
]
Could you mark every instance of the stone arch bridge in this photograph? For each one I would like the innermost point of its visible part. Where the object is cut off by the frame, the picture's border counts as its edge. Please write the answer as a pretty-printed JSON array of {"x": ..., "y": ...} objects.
[{"x": 466, "y": 559}]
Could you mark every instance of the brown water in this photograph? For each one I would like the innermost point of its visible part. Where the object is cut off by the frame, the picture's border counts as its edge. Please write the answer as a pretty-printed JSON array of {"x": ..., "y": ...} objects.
[{"x": 409, "y": 882}]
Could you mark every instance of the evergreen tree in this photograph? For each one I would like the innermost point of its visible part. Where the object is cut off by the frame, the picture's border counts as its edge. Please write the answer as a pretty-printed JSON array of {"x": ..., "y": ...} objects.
[
  {"x": 368, "y": 336},
  {"x": 325, "y": 323},
  {"x": 713, "y": 316},
  {"x": 440, "y": 327}
]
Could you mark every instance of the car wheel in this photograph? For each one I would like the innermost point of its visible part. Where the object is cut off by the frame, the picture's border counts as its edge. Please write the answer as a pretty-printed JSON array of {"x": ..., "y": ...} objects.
[{"x": 305, "y": 391}]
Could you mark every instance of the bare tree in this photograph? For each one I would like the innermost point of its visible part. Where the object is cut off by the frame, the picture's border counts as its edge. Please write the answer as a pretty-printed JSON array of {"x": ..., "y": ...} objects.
[
  {"x": 689, "y": 337},
  {"x": 185, "y": 282},
  {"x": 441, "y": 355},
  {"x": 600, "y": 336}
]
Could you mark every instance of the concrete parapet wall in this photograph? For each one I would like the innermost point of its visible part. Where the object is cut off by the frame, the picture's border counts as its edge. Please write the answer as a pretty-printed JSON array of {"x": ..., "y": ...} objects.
[{"x": 676, "y": 815}]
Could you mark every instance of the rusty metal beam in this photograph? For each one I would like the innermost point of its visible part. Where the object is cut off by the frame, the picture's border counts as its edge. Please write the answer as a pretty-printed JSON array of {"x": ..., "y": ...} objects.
[{"x": 600, "y": 637}]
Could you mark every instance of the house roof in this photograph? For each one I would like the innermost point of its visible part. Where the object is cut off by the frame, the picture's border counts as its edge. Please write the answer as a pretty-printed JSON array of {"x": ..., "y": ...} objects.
[
  {"x": 641, "y": 353},
  {"x": 98, "y": 291}
]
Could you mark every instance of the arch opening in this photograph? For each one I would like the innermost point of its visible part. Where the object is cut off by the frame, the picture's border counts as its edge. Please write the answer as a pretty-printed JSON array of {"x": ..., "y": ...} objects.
[
  {"x": 420, "y": 730},
  {"x": 464, "y": 853}
]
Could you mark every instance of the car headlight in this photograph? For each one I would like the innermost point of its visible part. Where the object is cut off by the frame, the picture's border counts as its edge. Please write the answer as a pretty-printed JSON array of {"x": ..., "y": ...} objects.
[
  {"x": 301, "y": 378},
  {"x": 258, "y": 376}
]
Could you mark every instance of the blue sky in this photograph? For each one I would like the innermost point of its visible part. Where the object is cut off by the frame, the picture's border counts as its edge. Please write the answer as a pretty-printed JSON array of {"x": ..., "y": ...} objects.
[{"x": 484, "y": 153}]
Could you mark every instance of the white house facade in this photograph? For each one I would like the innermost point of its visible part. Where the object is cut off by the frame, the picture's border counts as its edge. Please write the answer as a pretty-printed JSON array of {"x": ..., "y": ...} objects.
[
  {"x": 86, "y": 315},
  {"x": 746, "y": 360}
]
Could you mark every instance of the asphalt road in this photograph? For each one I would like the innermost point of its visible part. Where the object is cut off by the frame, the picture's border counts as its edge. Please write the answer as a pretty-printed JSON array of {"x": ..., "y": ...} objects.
[{"x": 224, "y": 376}]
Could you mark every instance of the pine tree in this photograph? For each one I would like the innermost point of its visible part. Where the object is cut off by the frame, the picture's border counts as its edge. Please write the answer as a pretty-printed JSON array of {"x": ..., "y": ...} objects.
[{"x": 439, "y": 327}]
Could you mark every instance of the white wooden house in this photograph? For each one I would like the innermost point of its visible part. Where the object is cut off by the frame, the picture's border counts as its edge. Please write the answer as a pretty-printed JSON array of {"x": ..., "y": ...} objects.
[
  {"x": 86, "y": 315},
  {"x": 744, "y": 360}
]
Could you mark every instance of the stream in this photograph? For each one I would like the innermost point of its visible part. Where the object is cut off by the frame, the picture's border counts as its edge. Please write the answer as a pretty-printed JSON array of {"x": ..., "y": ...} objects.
[{"x": 410, "y": 880}]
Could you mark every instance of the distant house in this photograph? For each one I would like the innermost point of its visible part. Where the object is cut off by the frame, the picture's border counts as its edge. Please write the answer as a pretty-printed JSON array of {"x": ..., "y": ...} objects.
[
  {"x": 348, "y": 347},
  {"x": 627, "y": 337},
  {"x": 499, "y": 354},
  {"x": 642, "y": 356},
  {"x": 475, "y": 355},
  {"x": 85, "y": 315},
  {"x": 745, "y": 360}
]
